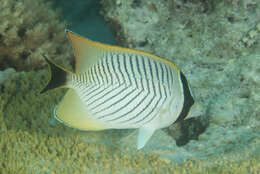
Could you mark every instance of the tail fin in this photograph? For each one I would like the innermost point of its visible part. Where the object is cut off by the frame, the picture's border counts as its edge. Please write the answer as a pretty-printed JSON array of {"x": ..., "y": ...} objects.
[{"x": 58, "y": 76}]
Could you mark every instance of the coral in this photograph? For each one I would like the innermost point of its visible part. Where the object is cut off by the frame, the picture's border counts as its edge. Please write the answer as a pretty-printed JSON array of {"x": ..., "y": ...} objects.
[
  {"x": 27, "y": 30},
  {"x": 6, "y": 74},
  {"x": 204, "y": 46},
  {"x": 252, "y": 36},
  {"x": 204, "y": 40},
  {"x": 180, "y": 30},
  {"x": 29, "y": 144},
  {"x": 224, "y": 78}
]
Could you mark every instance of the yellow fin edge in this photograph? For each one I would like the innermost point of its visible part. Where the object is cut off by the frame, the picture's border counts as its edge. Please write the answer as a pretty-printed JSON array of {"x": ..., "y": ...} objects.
[{"x": 117, "y": 48}]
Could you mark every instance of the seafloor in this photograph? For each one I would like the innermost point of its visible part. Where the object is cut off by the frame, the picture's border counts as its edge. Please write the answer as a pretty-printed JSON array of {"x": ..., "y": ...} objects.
[{"x": 215, "y": 43}]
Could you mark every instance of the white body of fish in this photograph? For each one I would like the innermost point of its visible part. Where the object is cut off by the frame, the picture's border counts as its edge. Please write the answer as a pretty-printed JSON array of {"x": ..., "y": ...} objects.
[
  {"x": 120, "y": 88},
  {"x": 130, "y": 91}
]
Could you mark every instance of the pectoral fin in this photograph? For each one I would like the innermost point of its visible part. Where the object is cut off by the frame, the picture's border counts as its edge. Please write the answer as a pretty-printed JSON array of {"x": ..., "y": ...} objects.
[{"x": 143, "y": 136}]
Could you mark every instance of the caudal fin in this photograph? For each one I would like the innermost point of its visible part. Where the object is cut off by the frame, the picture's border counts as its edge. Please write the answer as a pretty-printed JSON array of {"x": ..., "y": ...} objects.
[{"x": 58, "y": 76}]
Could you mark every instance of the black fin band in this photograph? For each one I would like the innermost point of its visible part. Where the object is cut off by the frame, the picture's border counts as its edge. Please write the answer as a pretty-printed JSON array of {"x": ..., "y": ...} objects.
[
  {"x": 58, "y": 76},
  {"x": 188, "y": 99}
]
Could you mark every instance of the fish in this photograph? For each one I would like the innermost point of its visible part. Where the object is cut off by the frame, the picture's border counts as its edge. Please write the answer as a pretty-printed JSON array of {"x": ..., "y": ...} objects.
[{"x": 120, "y": 88}]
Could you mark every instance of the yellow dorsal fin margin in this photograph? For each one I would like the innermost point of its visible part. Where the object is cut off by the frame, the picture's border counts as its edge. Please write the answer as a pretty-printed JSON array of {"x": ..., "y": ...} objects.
[{"x": 88, "y": 52}]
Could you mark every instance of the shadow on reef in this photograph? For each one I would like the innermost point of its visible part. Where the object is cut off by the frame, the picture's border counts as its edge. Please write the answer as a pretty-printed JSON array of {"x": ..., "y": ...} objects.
[{"x": 188, "y": 130}]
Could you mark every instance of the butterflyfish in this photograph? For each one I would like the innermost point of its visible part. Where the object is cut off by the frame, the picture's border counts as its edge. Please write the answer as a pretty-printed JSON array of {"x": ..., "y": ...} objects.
[{"x": 120, "y": 88}]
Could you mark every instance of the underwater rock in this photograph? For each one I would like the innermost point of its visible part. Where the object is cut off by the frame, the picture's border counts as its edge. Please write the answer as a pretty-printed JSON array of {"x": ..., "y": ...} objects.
[
  {"x": 206, "y": 45},
  {"x": 223, "y": 75},
  {"x": 6, "y": 74},
  {"x": 29, "y": 143}
]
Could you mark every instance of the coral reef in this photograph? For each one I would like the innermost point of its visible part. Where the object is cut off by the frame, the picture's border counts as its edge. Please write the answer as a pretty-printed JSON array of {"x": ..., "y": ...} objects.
[
  {"x": 180, "y": 29},
  {"x": 6, "y": 74},
  {"x": 30, "y": 144},
  {"x": 206, "y": 40},
  {"x": 27, "y": 30},
  {"x": 216, "y": 44},
  {"x": 252, "y": 36}
]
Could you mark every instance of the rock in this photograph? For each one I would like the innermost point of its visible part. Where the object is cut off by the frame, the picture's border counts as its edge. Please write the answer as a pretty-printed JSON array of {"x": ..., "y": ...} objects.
[
  {"x": 204, "y": 39},
  {"x": 6, "y": 74}
]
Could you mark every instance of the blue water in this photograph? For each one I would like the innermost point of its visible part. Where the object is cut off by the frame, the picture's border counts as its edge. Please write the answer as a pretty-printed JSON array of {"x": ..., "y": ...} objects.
[{"x": 84, "y": 19}]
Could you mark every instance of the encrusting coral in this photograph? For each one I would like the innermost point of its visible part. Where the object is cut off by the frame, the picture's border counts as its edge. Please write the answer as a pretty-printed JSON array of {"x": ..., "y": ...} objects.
[
  {"x": 29, "y": 144},
  {"x": 32, "y": 142},
  {"x": 216, "y": 46},
  {"x": 27, "y": 30}
]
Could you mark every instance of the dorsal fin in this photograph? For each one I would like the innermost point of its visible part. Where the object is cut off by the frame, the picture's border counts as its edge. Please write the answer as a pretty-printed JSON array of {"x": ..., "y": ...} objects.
[{"x": 86, "y": 51}]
